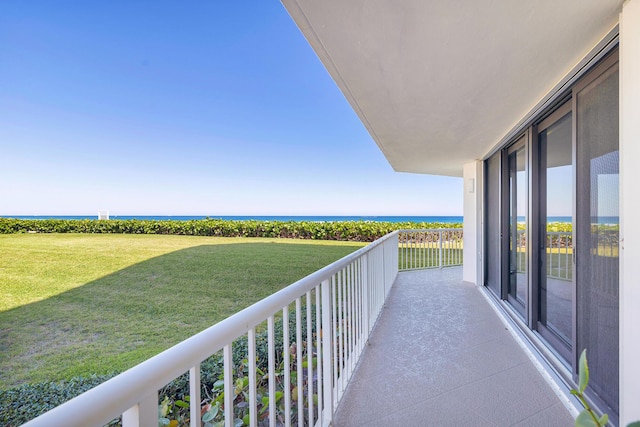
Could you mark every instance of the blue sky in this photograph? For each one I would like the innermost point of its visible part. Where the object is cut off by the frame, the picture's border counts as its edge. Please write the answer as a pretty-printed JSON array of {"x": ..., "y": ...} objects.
[{"x": 192, "y": 108}]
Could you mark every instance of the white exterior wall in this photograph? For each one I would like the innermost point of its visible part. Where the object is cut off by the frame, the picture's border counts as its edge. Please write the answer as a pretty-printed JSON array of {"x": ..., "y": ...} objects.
[
  {"x": 630, "y": 212},
  {"x": 472, "y": 210}
]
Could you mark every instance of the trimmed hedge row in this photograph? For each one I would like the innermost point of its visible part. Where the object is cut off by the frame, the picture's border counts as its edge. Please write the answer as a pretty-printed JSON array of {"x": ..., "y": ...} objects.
[
  {"x": 360, "y": 231},
  {"x": 21, "y": 404}
]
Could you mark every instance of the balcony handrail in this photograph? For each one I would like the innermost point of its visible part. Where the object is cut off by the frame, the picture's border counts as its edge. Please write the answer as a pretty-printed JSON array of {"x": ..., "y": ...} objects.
[
  {"x": 130, "y": 390},
  {"x": 430, "y": 248}
]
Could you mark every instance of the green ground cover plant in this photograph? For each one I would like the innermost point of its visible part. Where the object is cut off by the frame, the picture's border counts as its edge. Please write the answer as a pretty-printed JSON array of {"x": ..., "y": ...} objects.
[{"x": 112, "y": 301}]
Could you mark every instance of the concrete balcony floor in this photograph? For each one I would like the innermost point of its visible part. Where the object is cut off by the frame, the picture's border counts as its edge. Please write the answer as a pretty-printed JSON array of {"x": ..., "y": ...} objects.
[{"x": 440, "y": 356}]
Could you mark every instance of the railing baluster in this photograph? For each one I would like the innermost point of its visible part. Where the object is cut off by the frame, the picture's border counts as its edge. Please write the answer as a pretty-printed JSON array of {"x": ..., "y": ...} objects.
[
  {"x": 440, "y": 249},
  {"x": 253, "y": 398},
  {"x": 401, "y": 249},
  {"x": 327, "y": 343},
  {"x": 195, "y": 398},
  {"x": 406, "y": 250},
  {"x": 335, "y": 337},
  {"x": 299, "y": 373},
  {"x": 365, "y": 298},
  {"x": 309, "y": 360},
  {"x": 358, "y": 307},
  {"x": 228, "y": 385},
  {"x": 341, "y": 331},
  {"x": 272, "y": 371},
  {"x": 319, "y": 350},
  {"x": 354, "y": 316},
  {"x": 414, "y": 244},
  {"x": 349, "y": 318},
  {"x": 354, "y": 312},
  {"x": 566, "y": 258},
  {"x": 559, "y": 258},
  {"x": 144, "y": 414},
  {"x": 287, "y": 365},
  {"x": 419, "y": 238}
]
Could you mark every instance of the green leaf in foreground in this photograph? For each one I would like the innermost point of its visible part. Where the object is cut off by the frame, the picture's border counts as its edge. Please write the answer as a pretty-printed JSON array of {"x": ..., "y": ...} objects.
[
  {"x": 604, "y": 419},
  {"x": 585, "y": 420},
  {"x": 584, "y": 371}
]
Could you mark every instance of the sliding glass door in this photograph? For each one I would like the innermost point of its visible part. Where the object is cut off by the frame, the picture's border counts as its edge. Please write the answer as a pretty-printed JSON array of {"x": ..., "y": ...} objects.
[
  {"x": 597, "y": 230},
  {"x": 555, "y": 287},
  {"x": 493, "y": 248},
  {"x": 517, "y": 223},
  {"x": 552, "y": 231}
]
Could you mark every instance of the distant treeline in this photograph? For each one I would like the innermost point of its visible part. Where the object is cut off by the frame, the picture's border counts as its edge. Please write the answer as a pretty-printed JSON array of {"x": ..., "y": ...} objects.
[{"x": 360, "y": 231}]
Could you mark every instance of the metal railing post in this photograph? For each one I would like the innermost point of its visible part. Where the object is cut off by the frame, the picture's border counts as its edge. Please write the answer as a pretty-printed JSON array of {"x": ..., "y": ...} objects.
[
  {"x": 327, "y": 347},
  {"x": 194, "y": 393},
  {"x": 228, "y": 385},
  {"x": 144, "y": 414},
  {"x": 287, "y": 365},
  {"x": 271, "y": 363},
  {"x": 365, "y": 296},
  {"x": 253, "y": 377},
  {"x": 440, "y": 249}
]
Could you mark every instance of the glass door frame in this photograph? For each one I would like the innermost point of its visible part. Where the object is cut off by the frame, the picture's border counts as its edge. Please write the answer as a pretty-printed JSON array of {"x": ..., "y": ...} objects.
[
  {"x": 523, "y": 142},
  {"x": 539, "y": 234}
]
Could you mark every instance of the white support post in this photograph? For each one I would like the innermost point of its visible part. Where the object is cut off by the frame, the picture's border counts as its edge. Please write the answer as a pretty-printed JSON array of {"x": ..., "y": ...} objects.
[
  {"x": 194, "y": 396},
  {"x": 440, "y": 248},
  {"x": 352, "y": 361},
  {"x": 144, "y": 414},
  {"x": 365, "y": 296},
  {"x": 630, "y": 210},
  {"x": 319, "y": 350},
  {"x": 358, "y": 281},
  {"x": 472, "y": 173},
  {"x": 327, "y": 347},
  {"x": 341, "y": 351},
  {"x": 299, "y": 374},
  {"x": 310, "y": 406},
  {"x": 253, "y": 380},
  {"x": 335, "y": 336},
  {"x": 228, "y": 385},
  {"x": 272, "y": 370},
  {"x": 287, "y": 366}
]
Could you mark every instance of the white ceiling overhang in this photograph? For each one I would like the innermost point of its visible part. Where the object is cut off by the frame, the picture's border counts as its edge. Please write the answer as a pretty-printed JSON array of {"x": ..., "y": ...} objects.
[{"x": 437, "y": 83}]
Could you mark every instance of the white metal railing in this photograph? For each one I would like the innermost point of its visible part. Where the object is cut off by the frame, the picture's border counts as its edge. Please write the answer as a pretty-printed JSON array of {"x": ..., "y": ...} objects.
[
  {"x": 337, "y": 305},
  {"x": 559, "y": 252},
  {"x": 521, "y": 251},
  {"x": 429, "y": 248}
]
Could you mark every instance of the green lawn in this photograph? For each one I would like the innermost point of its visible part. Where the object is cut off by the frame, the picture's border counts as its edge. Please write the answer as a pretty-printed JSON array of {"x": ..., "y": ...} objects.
[{"x": 76, "y": 304}]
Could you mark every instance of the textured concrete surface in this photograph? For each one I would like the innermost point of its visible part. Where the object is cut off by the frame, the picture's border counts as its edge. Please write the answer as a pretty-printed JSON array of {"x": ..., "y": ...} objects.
[{"x": 440, "y": 356}]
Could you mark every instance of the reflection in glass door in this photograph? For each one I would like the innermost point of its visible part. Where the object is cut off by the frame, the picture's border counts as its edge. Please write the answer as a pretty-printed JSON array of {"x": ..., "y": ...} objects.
[
  {"x": 597, "y": 229},
  {"x": 555, "y": 290},
  {"x": 517, "y": 209}
]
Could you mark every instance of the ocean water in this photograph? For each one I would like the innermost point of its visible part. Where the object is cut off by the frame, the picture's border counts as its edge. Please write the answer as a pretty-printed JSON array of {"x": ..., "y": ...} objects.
[
  {"x": 426, "y": 218},
  {"x": 444, "y": 219}
]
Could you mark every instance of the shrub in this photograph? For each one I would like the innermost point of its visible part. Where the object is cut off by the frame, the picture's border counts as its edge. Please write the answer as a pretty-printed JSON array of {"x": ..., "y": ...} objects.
[
  {"x": 361, "y": 231},
  {"x": 21, "y": 404}
]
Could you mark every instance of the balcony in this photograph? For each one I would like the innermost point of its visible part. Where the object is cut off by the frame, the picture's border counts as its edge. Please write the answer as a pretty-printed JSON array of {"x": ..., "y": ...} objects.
[
  {"x": 356, "y": 343},
  {"x": 440, "y": 355}
]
